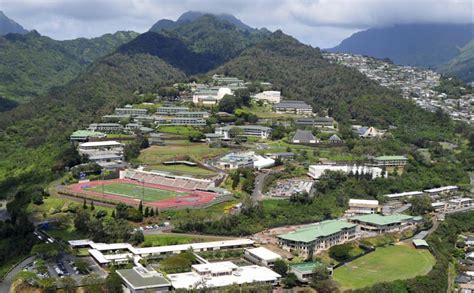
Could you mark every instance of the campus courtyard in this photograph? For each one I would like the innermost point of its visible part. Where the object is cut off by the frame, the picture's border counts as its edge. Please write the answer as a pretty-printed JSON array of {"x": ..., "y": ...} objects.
[{"x": 385, "y": 264}]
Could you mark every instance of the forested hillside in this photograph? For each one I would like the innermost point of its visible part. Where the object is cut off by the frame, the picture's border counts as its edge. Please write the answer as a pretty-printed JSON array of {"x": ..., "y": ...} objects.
[
  {"x": 462, "y": 66},
  {"x": 31, "y": 64},
  {"x": 301, "y": 73}
]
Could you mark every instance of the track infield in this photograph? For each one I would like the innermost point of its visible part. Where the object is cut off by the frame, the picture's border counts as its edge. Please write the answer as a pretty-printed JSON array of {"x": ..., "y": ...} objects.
[
  {"x": 136, "y": 191},
  {"x": 385, "y": 264}
]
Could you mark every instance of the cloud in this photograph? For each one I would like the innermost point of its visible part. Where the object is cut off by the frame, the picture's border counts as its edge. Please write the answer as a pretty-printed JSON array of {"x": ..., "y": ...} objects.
[{"x": 320, "y": 23}]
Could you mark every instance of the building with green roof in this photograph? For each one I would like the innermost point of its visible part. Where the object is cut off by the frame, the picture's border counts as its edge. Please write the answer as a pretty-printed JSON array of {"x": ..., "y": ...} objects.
[
  {"x": 85, "y": 135},
  {"x": 304, "y": 271},
  {"x": 139, "y": 279},
  {"x": 390, "y": 161},
  {"x": 319, "y": 236},
  {"x": 382, "y": 224}
]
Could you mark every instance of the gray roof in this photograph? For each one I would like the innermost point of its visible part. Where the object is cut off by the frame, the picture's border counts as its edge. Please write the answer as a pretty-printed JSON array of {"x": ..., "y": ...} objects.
[
  {"x": 264, "y": 128},
  {"x": 137, "y": 280},
  {"x": 335, "y": 137},
  {"x": 303, "y": 135},
  {"x": 292, "y": 104},
  {"x": 315, "y": 120}
]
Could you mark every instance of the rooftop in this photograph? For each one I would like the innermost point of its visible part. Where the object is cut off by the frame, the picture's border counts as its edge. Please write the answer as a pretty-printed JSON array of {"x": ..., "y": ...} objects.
[
  {"x": 303, "y": 135},
  {"x": 293, "y": 104},
  {"x": 363, "y": 202},
  {"x": 100, "y": 143},
  {"x": 420, "y": 242},
  {"x": 391, "y": 158},
  {"x": 141, "y": 278},
  {"x": 306, "y": 267},
  {"x": 382, "y": 220},
  {"x": 312, "y": 232},
  {"x": 441, "y": 189},
  {"x": 87, "y": 133},
  {"x": 264, "y": 253}
]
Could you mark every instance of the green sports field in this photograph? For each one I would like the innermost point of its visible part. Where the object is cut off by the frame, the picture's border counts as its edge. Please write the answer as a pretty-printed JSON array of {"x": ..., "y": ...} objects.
[
  {"x": 136, "y": 191},
  {"x": 384, "y": 265}
]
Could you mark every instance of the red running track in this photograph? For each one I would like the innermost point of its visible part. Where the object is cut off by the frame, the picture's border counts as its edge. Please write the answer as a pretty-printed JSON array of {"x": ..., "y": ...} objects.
[{"x": 194, "y": 197}]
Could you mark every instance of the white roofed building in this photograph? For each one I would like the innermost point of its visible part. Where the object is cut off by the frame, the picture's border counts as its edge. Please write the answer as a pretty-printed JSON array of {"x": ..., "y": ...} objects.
[
  {"x": 362, "y": 207},
  {"x": 261, "y": 256},
  {"x": 316, "y": 171},
  {"x": 269, "y": 96}
]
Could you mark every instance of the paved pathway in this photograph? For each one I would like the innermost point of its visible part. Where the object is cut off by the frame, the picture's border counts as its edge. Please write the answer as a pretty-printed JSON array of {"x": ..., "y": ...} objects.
[
  {"x": 8, "y": 281},
  {"x": 257, "y": 191}
]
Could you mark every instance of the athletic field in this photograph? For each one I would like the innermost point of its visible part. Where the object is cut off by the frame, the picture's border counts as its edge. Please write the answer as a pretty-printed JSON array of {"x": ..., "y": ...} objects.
[
  {"x": 385, "y": 264},
  {"x": 136, "y": 191}
]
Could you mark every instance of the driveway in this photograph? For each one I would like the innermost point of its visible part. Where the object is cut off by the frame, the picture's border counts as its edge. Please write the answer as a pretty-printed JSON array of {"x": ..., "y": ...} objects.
[
  {"x": 257, "y": 191},
  {"x": 9, "y": 278}
]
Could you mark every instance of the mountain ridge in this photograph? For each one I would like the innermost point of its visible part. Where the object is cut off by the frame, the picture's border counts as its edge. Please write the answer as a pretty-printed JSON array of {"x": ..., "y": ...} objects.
[
  {"x": 423, "y": 45},
  {"x": 8, "y": 25}
]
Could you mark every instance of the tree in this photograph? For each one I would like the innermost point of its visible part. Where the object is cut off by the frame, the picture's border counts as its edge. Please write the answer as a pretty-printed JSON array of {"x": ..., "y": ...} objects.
[
  {"x": 140, "y": 207},
  {"x": 137, "y": 237},
  {"x": 280, "y": 267},
  {"x": 81, "y": 220},
  {"x": 228, "y": 104},
  {"x": 92, "y": 283},
  {"x": 152, "y": 212},
  {"x": 341, "y": 252},
  {"x": 113, "y": 283},
  {"x": 290, "y": 280},
  {"x": 92, "y": 206},
  {"x": 84, "y": 204},
  {"x": 420, "y": 205},
  {"x": 147, "y": 212},
  {"x": 235, "y": 132},
  {"x": 69, "y": 284},
  {"x": 122, "y": 211}
]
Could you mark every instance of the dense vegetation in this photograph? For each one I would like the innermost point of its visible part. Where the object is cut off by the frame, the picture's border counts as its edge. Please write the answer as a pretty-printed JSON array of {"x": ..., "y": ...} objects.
[
  {"x": 462, "y": 65},
  {"x": 31, "y": 64}
]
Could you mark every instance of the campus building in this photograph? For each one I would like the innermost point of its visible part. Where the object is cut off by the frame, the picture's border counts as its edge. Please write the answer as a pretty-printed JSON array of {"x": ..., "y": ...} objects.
[
  {"x": 269, "y": 96},
  {"x": 304, "y": 137},
  {"x": 122, "y": 253},
  {"x": 170, "y": 111},
  {"x": 362, "y": 207},
  {"x": 315, "y": 122},
  {"x": 244, "y": 160},
  {"x": 200, "y": 114},
  {"x": 315, "y": 237},
  {"x": 458, "y": 203},
  {"x": 247, "y": 130},
  {"x": 222, "y": 274},
  {"x": 383, "y": 224},
  {"x": 140, "y": 279},
  {"x": 86, "y": 135},
  {"x": 210, "y": 96},
  {"x": 390, "y": 161},
  {"x": 401, "y": 195},
  {"x": 180, "y": 121},
  {"x": 444, "y": 190},
  {"x": 115, "y": 118},
  {"x": 316, "y": 171},
  {"x": 100, "y": 146},
  {"x": 304, "y": 271},
  {"x": 261, "y": 256},
  {"x": 131, "y": 111},
  {"x": 294, "y": 107},
  {"x": 106, "y": 127}
]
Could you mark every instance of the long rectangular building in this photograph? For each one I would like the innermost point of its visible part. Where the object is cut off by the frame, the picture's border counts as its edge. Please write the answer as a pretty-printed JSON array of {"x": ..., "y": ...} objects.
[
  {"x": 383, "y": 224},
  {"x": 316, "y": 237},
  {"x": 247, "y": 130}
]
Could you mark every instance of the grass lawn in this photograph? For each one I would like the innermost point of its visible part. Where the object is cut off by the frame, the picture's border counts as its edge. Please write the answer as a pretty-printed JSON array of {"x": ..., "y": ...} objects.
[
  {"x": 384, "y": 265},
  {"x": 67, "y": 234},
  {"x": 181, "y": 130},
  {"x": 266, "y": 111},
  {"x": 136, "y": 191},
  {"x": 184, "y": 169},
  {"x": 155, "y": 155},
  {"x": 173, "y": 239}
]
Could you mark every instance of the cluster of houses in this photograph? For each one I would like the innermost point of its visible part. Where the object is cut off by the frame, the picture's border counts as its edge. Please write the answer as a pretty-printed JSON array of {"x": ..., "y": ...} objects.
[
  {"x": 416, "y": 84},
  {"x": 465, "y": 279}
]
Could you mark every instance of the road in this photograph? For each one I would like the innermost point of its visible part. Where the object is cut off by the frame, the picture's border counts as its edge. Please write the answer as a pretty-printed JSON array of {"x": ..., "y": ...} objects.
[
  {"x": 9, "y": 278},
  {"x": 257, "y": 191}
]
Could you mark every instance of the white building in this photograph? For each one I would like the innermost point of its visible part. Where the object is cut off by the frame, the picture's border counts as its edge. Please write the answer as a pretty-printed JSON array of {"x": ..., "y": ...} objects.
[
  {"x": 261, "y": 256},
  {"x": 247, "y": 130},
  {"x": 139, "y": 279},
  {"x": 222, "y": 274},
  {"x": 457, "y": 203},
  {"x": 269, "y": 96},
  {"x": 441, "y": 190},
  {"x": 397, "y": 196},
  {"x": 210, "y": 96},
  {"x": 362, "y": 207},
  {"x": 316, "y": 171},
  {"x": 100, "y": 146},
  {"x": 244, "y": 160}
]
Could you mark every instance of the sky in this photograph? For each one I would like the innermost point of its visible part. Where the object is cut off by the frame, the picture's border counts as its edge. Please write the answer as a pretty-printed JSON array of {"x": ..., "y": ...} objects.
[{"x": 322, "y": 23}]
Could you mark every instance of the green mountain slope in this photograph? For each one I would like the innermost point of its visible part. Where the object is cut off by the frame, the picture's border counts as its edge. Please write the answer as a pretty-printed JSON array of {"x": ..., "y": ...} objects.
[
  {"x": 31, "y": 64},
  {"x": 462, "y": 65}
]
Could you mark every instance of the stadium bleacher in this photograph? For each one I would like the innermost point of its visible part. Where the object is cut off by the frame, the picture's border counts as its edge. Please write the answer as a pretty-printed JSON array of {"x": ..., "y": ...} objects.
[{"x": 187, "y": 183}]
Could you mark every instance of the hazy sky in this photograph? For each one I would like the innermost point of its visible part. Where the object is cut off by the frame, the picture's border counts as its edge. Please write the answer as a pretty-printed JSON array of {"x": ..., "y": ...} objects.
[{"x": 322, "y": 23}]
